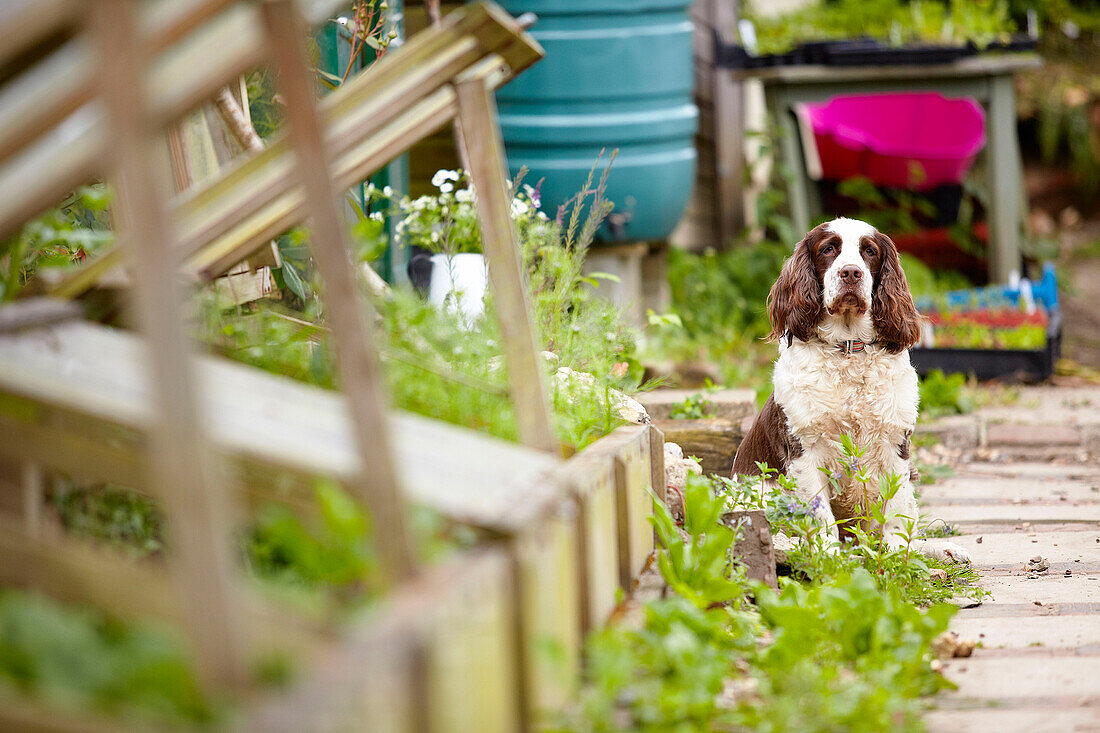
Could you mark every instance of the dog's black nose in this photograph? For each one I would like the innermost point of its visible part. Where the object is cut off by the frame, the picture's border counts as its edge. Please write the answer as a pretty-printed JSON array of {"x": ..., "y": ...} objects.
[{"x": 851, "y": 272}]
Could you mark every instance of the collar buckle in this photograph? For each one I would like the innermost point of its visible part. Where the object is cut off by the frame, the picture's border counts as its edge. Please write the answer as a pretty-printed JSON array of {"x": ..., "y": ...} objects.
[{"x": 852, "y": 347}]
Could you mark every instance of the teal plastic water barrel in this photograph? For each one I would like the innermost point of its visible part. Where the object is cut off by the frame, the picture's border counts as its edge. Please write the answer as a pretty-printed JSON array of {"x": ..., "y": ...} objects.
[{"x": 617, "y": 74}]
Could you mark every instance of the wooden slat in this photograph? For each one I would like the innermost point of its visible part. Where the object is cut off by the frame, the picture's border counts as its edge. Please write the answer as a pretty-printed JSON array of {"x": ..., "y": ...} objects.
[
  {"x": 548, "y": 561},
  {"x": 373, "y": 104},
  {"x": 629, "y": 447},
  {"x": 26, "y": 22},
  {"x": 347, "y": 310},
  {"x": 86, "y": 575},
  {"x": 40, "y": 176},
  {"x": 43, "y": 96},
  {"x": 485, "y": 153},
  {"x": 729, "y": 129},
  {"x": 80, "y": 381},
  {"x": 441, "y": 660},
  {"x": 180, "y": 79},
  {"x": 591, "y": 481},
  {"x": 200, "y": 516}
]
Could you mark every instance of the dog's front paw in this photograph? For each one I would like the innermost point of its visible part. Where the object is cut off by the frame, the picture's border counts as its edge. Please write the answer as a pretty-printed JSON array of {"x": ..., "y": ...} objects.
[{"x": 950, "y": 551}]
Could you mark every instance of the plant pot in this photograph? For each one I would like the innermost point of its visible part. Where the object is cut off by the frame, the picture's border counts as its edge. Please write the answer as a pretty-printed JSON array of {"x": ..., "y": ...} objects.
[{"x": 458, "y": 283}]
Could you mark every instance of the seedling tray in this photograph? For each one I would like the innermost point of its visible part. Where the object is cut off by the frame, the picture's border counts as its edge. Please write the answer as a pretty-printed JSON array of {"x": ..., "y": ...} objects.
[
  {"x": 1021, "y": 365},
  {"x": 859, "y": 52}
]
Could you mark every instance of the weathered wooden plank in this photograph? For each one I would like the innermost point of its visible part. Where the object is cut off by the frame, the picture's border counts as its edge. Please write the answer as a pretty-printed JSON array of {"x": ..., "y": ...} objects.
[
  {"x": 590, "y": 477},
  {"x": 182, "y": 475},
  {"x": 471, "y": 672},
  {"x": 347, "y": 310},
  {"x": 243, "y": 236},
  {"x": 629, "y": 447},
  {"x": 657, "y": 461},
  {"x": 42, "y": 96},
  {"x": 378, "y": 674},
  {"x": 89, "y": 382},
  {"x": 485, "y": 153},
  {"x": 38, "y": 177},
  {"x": 729, "y": 124},
  {"x": 548, "y": 560},
  {"x": 27, "y": 22}
]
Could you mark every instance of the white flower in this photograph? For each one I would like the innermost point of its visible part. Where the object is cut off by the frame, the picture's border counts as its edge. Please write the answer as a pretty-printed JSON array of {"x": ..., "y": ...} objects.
[
  {"x": 519, "y": 208},
  {"x": 388, "y": 191},
  {"x": 446, "y": 187},
  {"x": 464, "y": 195},
  {"x": 442, "y": 176},
  {"x": 532, "y": 194},
  {"x": 376, "y": 215}
]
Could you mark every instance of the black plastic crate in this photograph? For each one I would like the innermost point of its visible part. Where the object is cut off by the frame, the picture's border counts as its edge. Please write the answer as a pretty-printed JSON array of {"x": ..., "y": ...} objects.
[
  {"x": 859, "y": 52},
  {"x": 878, "y": 54},
  {"x": 1018, "y": 365}
]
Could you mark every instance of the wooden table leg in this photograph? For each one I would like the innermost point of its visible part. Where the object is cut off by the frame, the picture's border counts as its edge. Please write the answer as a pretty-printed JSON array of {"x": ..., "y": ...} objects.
[
  {"x": 1005, "y": 174},
  {"x": 801, "y": 192}
]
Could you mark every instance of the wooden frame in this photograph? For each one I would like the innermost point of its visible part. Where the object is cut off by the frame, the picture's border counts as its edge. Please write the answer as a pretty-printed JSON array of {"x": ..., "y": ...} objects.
[{"x": 207, "y": 437}]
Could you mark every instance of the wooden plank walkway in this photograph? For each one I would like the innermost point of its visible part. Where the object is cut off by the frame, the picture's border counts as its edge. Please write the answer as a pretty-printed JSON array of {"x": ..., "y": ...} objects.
[{"x": 1038, "y": 666}]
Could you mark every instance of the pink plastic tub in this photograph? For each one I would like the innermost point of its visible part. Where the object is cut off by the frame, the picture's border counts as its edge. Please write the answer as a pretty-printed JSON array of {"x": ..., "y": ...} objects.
[{"x": 915, "y": 141}]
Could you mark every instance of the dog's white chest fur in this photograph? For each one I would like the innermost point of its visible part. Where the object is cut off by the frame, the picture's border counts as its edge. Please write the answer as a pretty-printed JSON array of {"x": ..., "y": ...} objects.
[{"x": 870, "y": 395}]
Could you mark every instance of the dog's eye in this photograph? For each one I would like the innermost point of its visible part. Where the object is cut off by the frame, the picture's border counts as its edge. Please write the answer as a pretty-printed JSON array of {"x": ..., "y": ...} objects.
[
  {"x": 828, "y": 250},
  {"x": 868, "y": 251}
]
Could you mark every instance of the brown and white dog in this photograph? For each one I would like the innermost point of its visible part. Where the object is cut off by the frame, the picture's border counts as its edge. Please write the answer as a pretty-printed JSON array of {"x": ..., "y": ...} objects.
[{"x": 844, "y": 319}]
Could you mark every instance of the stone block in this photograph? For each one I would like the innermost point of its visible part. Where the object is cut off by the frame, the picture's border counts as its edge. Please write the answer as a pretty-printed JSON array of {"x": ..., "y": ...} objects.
[{"x": 713, "y": 442}]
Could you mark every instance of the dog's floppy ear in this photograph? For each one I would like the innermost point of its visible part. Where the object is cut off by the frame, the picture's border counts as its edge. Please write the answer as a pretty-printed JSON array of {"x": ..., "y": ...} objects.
[
  {"x": 794, "y": 304},
  {"x": 897, "y": 323}
]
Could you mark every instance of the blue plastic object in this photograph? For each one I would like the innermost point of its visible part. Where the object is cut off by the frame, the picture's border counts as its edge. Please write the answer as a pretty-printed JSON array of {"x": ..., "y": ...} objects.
[
  {"x": 617, "y": 74},
  {"x": 1044, "y": 293}
]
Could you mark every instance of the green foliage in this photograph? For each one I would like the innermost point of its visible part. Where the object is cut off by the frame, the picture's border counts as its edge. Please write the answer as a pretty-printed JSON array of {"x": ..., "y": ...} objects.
[
  {"x": 944, "y": 394},
  {"x": 924, "y": 281},
  {"x": 63, "y": 236},
  {"x": 895, "y": 21},
  {"x": 119, "y": 516},
  {"x": 330, "y": 548},
  {"x": 894, "y": 211},
  {"x": 720, "y": 297},
  {"x": 336, "y": 554},
  {"x": 694, "y": 407},
  {"x": 847, "y": 651},
  {"x": 699, "y": 568},
  {"x": 666, "y": 675},
  {"x": 438, "y": 365},
  {"x": 79, "y": 660},
  {"x": 930, "y": 473},
  {"x": 845, "y": 655}
]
